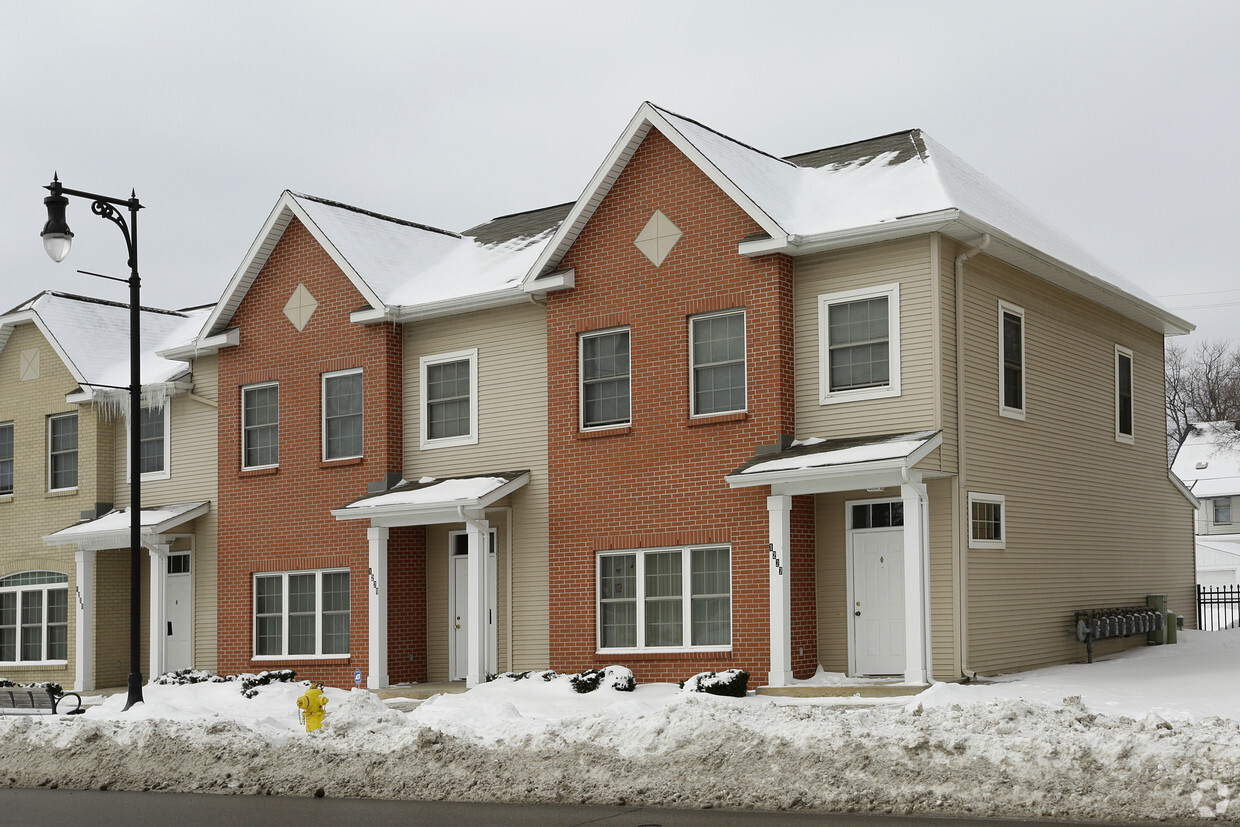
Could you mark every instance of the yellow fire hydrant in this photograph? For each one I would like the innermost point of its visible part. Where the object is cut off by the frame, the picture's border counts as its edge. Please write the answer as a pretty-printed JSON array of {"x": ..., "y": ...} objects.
[{"x": 311, "y": 705}]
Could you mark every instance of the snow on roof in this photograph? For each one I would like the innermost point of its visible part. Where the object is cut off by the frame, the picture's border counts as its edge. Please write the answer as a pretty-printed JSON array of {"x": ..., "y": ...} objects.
[
  {"x": 435, "y": 492},
  {"x": 1219, "y": 548},
  {"x": 93, "y": 336},
  {"x": 116, "y": 524},
  {"x": 821, "y": 453},
  {"x": 1208, "y": 461}
]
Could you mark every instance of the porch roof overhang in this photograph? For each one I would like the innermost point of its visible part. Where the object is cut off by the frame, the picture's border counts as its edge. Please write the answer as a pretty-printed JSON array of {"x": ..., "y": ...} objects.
[
  {"x": 432, "y": 500},
  {"x": 112, "y": 529},
  {"x": 820, "y": 466}
]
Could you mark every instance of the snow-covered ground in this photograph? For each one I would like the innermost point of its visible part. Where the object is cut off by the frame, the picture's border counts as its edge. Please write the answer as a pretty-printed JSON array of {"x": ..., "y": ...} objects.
[{"x": 1151, "y": 734}]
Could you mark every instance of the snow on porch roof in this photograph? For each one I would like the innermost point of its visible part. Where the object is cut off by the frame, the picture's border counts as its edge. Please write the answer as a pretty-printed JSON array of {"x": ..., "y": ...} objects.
[
  {"x": 431, "y": 499},
  {"x": 837, "y": 464},
  {"x": 112, "y": 529}
]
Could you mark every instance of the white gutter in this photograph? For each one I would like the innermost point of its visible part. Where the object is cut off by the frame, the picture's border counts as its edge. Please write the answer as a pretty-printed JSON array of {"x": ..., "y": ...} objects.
[
  {"x": 961, "y": 467},
  {"x": 203, "y": 345},
  {"x": 799, "y": 245}
]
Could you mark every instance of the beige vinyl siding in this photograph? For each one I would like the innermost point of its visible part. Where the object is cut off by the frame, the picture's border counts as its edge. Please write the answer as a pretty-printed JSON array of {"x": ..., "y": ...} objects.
[
  {"x": 193, "y": 477},
  {"x": 908, "y": 262},
  {"x": 512, "y": 436},
  {"x": 1091, "y": 522},
  {"x": 946, "y": 251},
  {"x": 944, "y": 588}
]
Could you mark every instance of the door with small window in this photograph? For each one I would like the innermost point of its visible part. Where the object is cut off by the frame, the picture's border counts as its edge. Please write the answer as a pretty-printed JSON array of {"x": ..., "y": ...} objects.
[
  {"x": 178, "y": 613},
  {"x": 876, "y": 560}
]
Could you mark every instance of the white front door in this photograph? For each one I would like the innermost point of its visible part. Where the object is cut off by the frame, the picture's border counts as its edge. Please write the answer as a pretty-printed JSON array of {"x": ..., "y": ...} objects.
[
  {"x": 458, "y": 615},
  {"x": 178, "y": 616},
  {"x": 878, "y": 601}
]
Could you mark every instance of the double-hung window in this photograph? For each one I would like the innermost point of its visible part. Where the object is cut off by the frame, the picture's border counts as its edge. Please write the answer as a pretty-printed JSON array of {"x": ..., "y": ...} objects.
[
  {"x": 717, "y": 363},
  {"x": 304, "y": 613},
  {"x": 859, "y": 344},
  {"x": 153, "y": 443},
  {"x": 1222, "y": 511},
  {"x": 6, "y": 458},
  {"x": 342, "y": 414},
  {"x": 677, "y": 598},
  {"x": 34, "y": 617},
  {"x": 1011, "y": 361},
  {"x": 605, "y": 390},
  {"x": 1123, "y": 394},
  {"x": 987, "y": 521},
  {"x": 449, "y": 388},
  {"x": 260, "y": 425},
  {"x": 62, "y": 452}
]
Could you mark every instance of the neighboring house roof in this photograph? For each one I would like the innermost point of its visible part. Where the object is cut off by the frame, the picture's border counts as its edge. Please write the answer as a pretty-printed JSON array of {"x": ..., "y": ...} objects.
[
  {"x": 91, "y": 337},
  {"x": 1208, "y": 460},
  {"x": 889, "y": 187},
  {"x": 402, "y": 269}
]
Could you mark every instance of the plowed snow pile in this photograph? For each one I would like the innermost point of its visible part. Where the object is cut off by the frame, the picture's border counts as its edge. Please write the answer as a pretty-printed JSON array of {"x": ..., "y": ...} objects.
[{"x": 1152, "y": 734}]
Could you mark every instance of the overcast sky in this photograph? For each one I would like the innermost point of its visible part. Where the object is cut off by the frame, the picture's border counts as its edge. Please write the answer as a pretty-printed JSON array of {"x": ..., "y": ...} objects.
[{"x": 1116, "y": 121}]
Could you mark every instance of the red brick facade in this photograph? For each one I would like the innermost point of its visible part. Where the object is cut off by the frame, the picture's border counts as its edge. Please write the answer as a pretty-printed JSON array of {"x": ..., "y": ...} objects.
[
  {"x": 660, "y": 482},
  {"x": 279, "y": 519}
]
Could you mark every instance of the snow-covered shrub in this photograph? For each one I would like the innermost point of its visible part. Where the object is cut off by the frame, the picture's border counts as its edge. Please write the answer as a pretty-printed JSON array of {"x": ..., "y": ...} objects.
[
  {"x": 619, "y": 678},
  {"x": 731, "y": 683},
  {"x": 54, "y": 688},
  {"x": 249, "y": 683},
  {"x": 545, "y": 674},
  {"x": 181, "y": 677}
]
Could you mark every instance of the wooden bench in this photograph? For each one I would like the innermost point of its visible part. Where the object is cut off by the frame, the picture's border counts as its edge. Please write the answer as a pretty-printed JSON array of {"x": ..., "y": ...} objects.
[
  {"x": 1121, "y": 621},
  {"x": 35, "y": 700}
]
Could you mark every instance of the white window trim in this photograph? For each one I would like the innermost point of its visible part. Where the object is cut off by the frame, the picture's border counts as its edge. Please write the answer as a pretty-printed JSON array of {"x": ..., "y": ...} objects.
[
  {"x": 994, "y": 499},
  {"x": 686, "y": 601},
  {"x": 1006, "y": 308},
  {"x": 581, "y": 379},
  {"x": 323, "y": 413},
  {"x": 77, "y": 450},
  {"x": 152, "y": 475},
  {"x": 1121, "y": 351},
  {"x": 425, "y": 362},
  {"x": 244, "y": 389},
  {"x": 8, "y": 495},
  {"x": 43, "y": 587},
  {"x": 318, "y": 614},
  {"x": 826, "y": 396},
  {"x": 693, "y": 414}
]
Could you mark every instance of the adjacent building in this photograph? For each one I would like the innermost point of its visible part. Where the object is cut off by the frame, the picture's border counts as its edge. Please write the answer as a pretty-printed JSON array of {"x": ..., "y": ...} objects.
[{"x": 1208, "y": 461}]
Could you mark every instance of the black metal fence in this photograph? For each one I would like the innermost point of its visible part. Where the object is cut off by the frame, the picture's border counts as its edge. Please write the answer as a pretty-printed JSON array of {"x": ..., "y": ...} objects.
[{"x": 1218, "y": 607}]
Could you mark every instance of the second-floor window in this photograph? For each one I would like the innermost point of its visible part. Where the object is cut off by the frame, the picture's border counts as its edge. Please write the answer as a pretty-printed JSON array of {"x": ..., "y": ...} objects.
[
  {"x": 62, "y": 452},
  {"x": 260, "y": 425},
  {"x": 6, "y": 458},
  {"x": 859, "y": 339},
  {"x": 605, "y": 389},
  {"x": 450, "y": 399},
  {"x": 717, "y": 363},
  {"x": 1222, "y": 511},
  {"x": 342, "y": 414},
  {"x": 1011, "y": 361},
  {"x": 153, "y": 441},
  {"x": 1123, "y": 394}
]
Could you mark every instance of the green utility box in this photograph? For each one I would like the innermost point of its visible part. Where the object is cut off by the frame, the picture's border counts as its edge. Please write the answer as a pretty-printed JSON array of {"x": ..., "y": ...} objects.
[
  {"x": 1158, "y": 602},
  {"x": 1173, "y": 624}
]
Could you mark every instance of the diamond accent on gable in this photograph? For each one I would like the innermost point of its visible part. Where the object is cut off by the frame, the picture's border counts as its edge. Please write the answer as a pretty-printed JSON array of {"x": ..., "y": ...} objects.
[
  {"x": 29, "y": 364},
  {"x": 658, "y": 238},
  {"x": 301, "y": 306}
]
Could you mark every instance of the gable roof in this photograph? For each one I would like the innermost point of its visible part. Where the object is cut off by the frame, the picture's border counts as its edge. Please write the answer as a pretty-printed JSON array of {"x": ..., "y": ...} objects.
[
  {"x": 888, "y": 187},
  {"x": 400, "y": 267},
  {"x": 91, "y": 337},
  {"x": 1208, "y": 461}
]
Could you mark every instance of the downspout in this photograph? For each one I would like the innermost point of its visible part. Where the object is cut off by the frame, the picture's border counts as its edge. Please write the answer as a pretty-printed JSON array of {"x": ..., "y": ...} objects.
[
  {"x": 470, "y": 521},
  {"x": 961, "y": 468}
]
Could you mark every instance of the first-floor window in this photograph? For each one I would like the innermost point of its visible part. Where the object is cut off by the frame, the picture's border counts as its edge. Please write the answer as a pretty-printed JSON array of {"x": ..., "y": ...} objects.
[
  {"x": 665, "y": 598},
  {"x": 301, "y": 613},
  {"x": 34, "y": 617},
  {"x": 987, "y": 521},
  {"x": 1222, "y": 511}
]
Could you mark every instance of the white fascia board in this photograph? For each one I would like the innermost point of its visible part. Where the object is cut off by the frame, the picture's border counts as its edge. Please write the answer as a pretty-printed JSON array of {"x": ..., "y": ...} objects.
[
  {"x": 802, "y": 245},
  {"x": 204, "y": 345},
  {"x": 1183, "y": 489},
  {"x": 10, "y": 321},
  {"x": 446, "y": 307},
  {"x": 368, "y": 293},
  {"x": 260, "y": 249},
  {"x": 61, "y": 353},
  {"x": 402, "y": 514},
  {"x": 559, "y": 280}
]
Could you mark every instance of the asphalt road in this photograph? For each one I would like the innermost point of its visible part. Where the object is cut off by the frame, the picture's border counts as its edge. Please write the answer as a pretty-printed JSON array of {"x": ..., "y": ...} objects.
[{"x": 43, "y": 807}]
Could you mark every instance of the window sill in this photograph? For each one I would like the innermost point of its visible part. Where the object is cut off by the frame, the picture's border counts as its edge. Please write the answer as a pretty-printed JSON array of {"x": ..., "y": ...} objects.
[
  {"x": 648, "y": 655},
  {"x": 33, "y": 664},
  {"x": 603, "y": 432},
  {"x": 1012, "y": 413},
  {"x": 711, "y": 419},
  {"x": 62, "y": 492},
  {"x": 6, "y": 498},
  {"x": 258, "y": 472},
  {"x": 293, "y": 660},
  {"x": 341, "y": 463}
]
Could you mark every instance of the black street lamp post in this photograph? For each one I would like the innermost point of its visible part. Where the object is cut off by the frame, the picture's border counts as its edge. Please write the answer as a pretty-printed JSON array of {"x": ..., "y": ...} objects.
[{"x": 56, "y": 240}]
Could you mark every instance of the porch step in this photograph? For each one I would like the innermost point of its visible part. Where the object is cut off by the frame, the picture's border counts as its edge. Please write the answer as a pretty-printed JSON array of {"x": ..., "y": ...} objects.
[
  {"x": 869, "y": 690},
  {"x": 420, "y": 691}
]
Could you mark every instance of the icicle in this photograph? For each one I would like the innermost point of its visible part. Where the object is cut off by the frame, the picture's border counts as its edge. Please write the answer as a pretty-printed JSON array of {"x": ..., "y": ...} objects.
[{"x": 113, "y": 403}]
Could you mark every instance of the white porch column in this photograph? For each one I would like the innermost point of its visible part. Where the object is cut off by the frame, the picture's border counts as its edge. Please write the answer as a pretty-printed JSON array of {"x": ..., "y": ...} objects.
[
  {"x": 158, "y": 614},
  {"x": 478, "y": 534},
  {"x": 913, "y": 496},
  {"x": 377, "y": 677},
  {"x": 84, "y": 617},
  {"x": 779, "y": 510}
]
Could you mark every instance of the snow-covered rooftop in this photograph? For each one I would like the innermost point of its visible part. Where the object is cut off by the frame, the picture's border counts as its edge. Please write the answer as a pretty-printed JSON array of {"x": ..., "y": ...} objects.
[
  {"x": 427, "y": 499},
  {"x": 823, "y": 453},
  {"x": 112, "y": 529},
  {"x": 1208, "y": 461}
]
